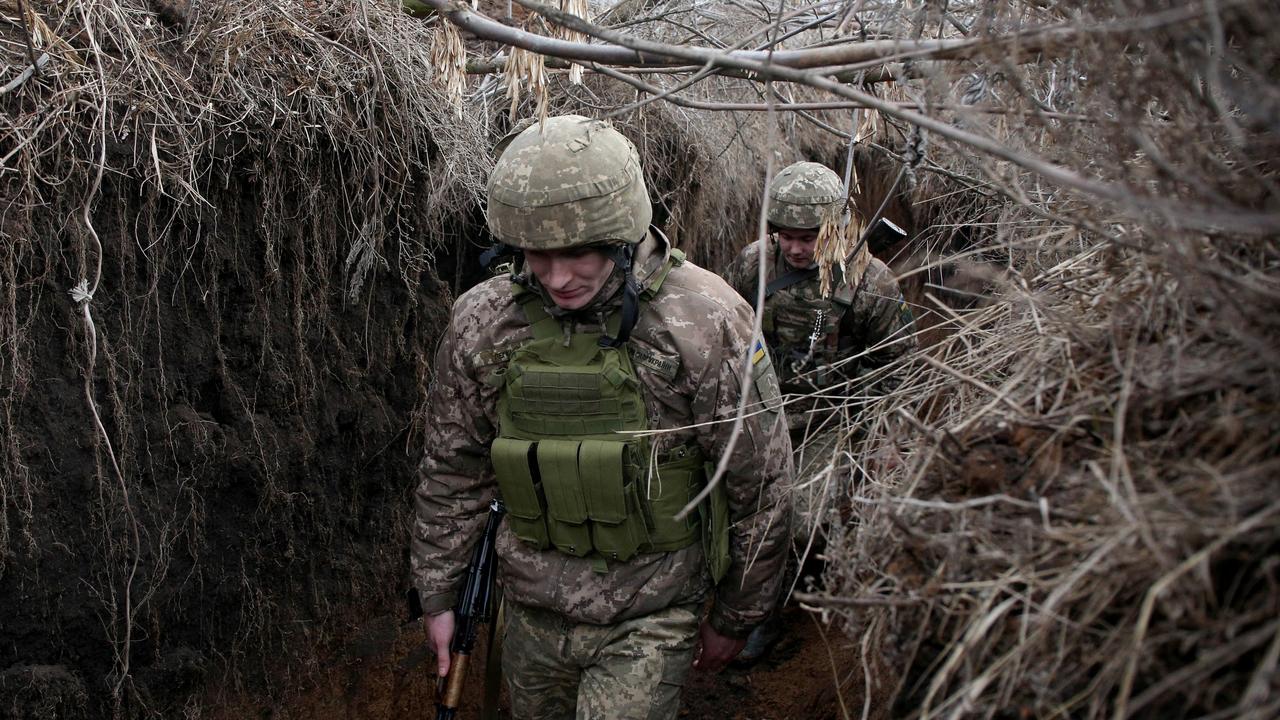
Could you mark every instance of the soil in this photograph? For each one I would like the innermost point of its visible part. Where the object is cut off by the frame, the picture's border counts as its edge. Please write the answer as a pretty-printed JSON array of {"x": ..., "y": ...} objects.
[
  {"x": 263, "y": 425},
  {"x": 384, "y": 671},
  {"x": 796, "y": 680}
]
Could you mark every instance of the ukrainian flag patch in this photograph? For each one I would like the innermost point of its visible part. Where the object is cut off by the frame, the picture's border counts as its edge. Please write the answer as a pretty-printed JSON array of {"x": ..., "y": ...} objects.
[{"x": 757, "y": 353}]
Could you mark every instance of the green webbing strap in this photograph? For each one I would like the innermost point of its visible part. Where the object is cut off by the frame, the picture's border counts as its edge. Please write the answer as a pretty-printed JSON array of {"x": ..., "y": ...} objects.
[
  {"x": 613, "y": 324},
  {"x": 782, "y": 282},
  {"x": 677, "y": 258},
  {"x": 540, "y": 321}
]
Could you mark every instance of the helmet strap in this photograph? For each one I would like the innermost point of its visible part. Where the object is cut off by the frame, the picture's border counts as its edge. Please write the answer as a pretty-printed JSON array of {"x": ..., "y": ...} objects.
[{"x": 622, "y": 255}]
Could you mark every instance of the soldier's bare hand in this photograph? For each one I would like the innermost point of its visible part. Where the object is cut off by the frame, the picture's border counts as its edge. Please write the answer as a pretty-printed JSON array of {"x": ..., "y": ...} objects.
[
  {"x": 715, "y": 650},
  {"x": 439, "y": 636}
]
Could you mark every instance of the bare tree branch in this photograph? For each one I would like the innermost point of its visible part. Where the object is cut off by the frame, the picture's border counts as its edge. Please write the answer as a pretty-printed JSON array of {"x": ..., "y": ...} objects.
[
  {"x": 1164, "y": 210},
  {"x": 481, "y": 26}
]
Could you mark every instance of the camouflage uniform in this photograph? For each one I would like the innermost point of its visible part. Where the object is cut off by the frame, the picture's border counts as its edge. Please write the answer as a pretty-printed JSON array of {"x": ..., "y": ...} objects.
[
  {"x": 821, "y": 343},
  {"x": 584, "y": 633},
  {"x": 543, "y": 651},
  {"x": 867, "y": 321}
]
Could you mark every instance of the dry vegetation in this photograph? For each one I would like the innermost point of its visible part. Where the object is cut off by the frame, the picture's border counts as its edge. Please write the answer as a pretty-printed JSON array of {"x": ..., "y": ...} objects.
[
  {"x": 1067, "y": 510},
  {"x": 1069, "y": 507},
  {"x": 223, "y": 185}
]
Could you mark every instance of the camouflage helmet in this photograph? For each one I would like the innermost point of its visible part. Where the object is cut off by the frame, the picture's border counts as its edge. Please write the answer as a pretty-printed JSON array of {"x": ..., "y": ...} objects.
[
  {"x": 803, "y": 195},
  {"x": 573, "y": 181}
]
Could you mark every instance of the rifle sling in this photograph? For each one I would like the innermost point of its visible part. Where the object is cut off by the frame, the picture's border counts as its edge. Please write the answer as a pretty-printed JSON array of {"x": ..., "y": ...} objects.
[{"x": 783, "y": 282}]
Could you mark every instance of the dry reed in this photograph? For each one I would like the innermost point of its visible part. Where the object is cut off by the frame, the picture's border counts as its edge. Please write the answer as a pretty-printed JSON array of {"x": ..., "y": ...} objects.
[{"x": 1068, "y": 508}]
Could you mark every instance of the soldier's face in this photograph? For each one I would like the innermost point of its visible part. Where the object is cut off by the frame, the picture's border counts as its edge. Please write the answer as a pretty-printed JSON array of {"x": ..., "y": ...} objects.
[
  {"x": 572, "y": 276},
  {"x": 797, "y": 246}
]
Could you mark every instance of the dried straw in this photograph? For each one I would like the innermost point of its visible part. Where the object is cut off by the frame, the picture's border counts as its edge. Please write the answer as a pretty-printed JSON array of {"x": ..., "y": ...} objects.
[
  {"x": 172, "y": 161},
  {"x": 582, "y": 9},
  {"x": 523, "y": 69},
  {"x": 449, "y": 58},
  {"x": 1067, "y": 507}
]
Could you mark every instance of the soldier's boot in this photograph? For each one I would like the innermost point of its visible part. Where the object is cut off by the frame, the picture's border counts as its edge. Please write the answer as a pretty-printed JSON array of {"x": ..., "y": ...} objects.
[{"x": 761, "y": 641}]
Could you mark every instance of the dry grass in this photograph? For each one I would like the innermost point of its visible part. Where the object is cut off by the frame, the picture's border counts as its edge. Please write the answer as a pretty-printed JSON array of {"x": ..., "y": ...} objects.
[
  {"x": 1068, "y": 508},
  {"x": 215, "y": 177},
  {"x": 1086, "y": 525}
]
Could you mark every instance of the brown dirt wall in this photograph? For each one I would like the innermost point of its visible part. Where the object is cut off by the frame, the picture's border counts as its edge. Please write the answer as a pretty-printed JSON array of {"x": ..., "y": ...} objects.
[{"x": 262, "y": 420}]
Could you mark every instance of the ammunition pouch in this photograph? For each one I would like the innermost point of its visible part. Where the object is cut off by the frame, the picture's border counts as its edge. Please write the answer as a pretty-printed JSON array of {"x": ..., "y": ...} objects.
[{"x": 592, "y": 495}]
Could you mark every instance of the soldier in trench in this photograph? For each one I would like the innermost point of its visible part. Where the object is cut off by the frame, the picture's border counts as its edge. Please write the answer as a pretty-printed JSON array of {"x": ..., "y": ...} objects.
[
  {"x": 594, "y": 389},
  {"x": 821, "y": 343}
]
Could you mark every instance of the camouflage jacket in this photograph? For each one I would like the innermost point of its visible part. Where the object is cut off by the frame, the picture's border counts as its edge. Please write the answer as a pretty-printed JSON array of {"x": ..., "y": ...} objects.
[
  {"x": 818, "y": 342},
  {"x": 689, "y": 347}
]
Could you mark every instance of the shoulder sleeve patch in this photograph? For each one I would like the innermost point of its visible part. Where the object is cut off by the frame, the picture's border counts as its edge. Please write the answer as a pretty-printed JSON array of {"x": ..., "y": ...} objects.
[
  {"x": 766, "y": 383},
  {"x": 905, "y": 316}
]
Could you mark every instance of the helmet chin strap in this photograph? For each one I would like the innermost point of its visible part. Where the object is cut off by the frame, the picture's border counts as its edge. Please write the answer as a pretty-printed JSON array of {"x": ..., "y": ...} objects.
[{"x": 621, "y": 255}]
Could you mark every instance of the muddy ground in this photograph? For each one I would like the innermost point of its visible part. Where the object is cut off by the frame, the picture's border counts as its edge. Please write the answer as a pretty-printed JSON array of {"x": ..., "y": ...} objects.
[{"x": 384, "y": 670}]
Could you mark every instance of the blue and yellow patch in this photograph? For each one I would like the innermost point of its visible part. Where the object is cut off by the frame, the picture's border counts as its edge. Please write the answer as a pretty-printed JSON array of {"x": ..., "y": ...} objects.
[{"x": 758, "y": 353}]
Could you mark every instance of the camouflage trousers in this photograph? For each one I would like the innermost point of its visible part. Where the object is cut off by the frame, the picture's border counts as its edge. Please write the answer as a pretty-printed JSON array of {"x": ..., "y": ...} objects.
[
  {"x": 634, "y": 670},
  {"x": 822, "y": 471}
]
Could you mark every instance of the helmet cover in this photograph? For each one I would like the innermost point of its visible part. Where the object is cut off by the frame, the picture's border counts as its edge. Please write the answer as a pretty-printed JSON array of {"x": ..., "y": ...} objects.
[
  {"x": 804, "y": 195},
  {"x": 568, "y": 182}
]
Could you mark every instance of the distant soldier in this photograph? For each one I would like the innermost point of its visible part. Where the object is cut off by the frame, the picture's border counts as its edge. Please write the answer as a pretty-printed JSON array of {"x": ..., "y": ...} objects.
[
  {"x": 820, "y": 344},
  {"x": 545, "y": 385}
]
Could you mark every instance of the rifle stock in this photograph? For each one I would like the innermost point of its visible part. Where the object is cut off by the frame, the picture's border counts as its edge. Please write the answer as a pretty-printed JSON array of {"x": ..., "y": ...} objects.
[{"x": 474, "y": 608}]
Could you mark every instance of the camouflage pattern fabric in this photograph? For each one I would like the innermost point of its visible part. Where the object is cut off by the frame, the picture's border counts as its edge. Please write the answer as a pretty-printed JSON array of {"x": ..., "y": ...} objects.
[
  {"x": 565, "y": 182},
  {"x": 865, "y": 324},
  {"x": 689, "y": 346},
  {"x": 814, "y": 485},
  {"x": 556, "y": 668},
  {"x": 804, "y": 195}
]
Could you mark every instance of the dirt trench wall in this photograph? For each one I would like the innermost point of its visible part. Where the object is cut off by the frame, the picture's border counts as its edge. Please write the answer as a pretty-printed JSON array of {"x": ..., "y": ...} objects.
[{"x": 261, "y": 415}]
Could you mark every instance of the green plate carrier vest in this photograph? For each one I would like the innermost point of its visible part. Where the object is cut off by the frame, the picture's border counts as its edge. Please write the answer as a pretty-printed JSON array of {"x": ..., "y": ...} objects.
[{"x": 569, "y": 473}]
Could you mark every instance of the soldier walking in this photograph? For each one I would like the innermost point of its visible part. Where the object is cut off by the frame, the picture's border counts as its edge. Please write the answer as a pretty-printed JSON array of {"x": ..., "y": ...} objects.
[
  {"x": 820, "y": 343},
  {"x": 593, "y": 390}
]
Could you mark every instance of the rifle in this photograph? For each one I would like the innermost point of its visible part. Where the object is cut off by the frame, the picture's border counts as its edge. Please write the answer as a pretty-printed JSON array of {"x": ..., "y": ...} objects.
[
  {"x": 881, "y": 235},
  {"x": 475, "y": 607}
]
